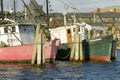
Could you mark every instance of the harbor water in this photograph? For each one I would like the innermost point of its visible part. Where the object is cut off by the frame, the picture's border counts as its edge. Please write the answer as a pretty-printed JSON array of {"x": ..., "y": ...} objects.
[{"x": 63, "y": 70}]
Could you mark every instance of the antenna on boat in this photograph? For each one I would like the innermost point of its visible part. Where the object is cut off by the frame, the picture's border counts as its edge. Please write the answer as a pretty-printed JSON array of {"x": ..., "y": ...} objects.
[
  {"x": 2, "y": 14},
  {"x": 14, "y": 2},
  {"x": 47, "y": 10}
]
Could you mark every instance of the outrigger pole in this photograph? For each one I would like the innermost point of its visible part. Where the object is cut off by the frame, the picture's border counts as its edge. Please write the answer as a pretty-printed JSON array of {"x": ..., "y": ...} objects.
[
  {"x": 14, "y": 10},
  {"x": 2, "y": 15},
  {"x": 47, "y": 11}
]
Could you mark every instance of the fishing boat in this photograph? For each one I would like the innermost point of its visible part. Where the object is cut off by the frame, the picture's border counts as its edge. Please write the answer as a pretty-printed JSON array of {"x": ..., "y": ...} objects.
[
  {"x": 18, "y": 40},
  {"x": 98, "y": 49},
  {"x": 94, "y": 48},
  {"x": 17, "y": 43}
]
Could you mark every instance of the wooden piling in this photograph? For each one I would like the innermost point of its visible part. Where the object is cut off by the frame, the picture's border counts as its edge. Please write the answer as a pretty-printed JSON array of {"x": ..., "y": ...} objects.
[
  {"x": 43, "y": 51},
  {"x": 94, "y": 33},
  {"x": 35, "y": 45},
  {"x": 88, "y": 34},
  {"x": 76, "y": 51},
  {"x": 81, "y": 49},
  {"x": 38, "y": 51},
  {"x": 77, "y": 47},
  {"x": 72, "y": 52}
]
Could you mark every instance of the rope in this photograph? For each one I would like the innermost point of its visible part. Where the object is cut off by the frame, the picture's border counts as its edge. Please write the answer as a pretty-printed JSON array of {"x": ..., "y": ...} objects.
[{"x": 64, "y": 56}]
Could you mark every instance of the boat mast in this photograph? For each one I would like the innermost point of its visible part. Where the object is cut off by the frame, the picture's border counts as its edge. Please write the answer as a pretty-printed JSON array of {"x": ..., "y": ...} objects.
[
  {"x": 47, "y": 10},
  {"x": 2, "y": 14}
]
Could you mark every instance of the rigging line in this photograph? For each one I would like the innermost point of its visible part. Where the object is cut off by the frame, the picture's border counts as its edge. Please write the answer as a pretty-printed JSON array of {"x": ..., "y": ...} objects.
[
  {"x": 69, "y": 2},
  {"x": 33, "y": 3},
  {"x": 2, "y": 13},
  {"x": 44, "y": 4},
  {"x": 30, "y": 11},
  {"x": 16, "y": 2},
  {"x": 50, "y": 5},
  {"x": 14, "y": 35},
  {"x": 69, "y": 6},
  {"x": 38, "y": 8}
]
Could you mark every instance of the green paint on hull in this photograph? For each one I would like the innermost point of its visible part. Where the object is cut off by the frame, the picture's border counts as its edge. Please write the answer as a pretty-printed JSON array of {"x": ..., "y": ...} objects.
[{"x": 98, "y": 47}]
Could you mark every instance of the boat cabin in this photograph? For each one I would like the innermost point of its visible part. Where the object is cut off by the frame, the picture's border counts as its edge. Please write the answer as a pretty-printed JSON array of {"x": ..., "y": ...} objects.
[
  {"x": 17, "y": 34},
  {"x": 66, "y": 33}
]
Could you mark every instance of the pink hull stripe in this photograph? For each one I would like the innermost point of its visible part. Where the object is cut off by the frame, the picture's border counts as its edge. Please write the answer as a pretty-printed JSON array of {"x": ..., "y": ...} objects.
[{"x": 24, "y": 52}]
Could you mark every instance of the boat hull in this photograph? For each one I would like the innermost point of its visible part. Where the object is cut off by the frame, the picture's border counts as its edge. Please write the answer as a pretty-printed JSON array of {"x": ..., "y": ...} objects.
[
  {"x": 24, "y": 53},
  {"x": 99, "y": 58},
  {"x": 96, "y": 50}
]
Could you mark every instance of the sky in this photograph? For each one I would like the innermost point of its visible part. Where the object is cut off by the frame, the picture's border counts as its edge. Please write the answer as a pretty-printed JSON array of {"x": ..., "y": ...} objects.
[{"x": 58, "y": 5}]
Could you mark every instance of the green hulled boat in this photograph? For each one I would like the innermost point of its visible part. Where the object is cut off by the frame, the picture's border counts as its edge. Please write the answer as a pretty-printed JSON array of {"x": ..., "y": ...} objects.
[{"x": 98, "y": 49}]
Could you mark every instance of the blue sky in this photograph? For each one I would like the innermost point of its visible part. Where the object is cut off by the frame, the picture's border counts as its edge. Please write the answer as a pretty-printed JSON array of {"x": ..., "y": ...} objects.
[{"x": 58, "y": 5}]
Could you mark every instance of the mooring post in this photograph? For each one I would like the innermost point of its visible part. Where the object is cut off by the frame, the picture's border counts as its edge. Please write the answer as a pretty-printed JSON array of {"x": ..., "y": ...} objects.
[
  {"x": 81, "y": 49},
  {"x": 35, "y": 45},
  {"x": 88, "y": 34},
  {"x": 75, "y": 50},
  {"x": 72, "y": 51},
  {"x": 39, "y": 49},
  {"x": 77, "y": 43},
  {"x": 43, "y": 50},
  {"x": 77, "y": 47},
  {"x": 94, "y": 33}
]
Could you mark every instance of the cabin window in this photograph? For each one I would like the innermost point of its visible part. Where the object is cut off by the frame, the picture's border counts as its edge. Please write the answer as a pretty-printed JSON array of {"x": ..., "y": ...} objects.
[
  {"x": 36, "y": 17},
  {"x": 13, "y": 29},
  {"x": 29, "y": 29},
  {"x": 68, "y": 31},
  {"x": 24, "y": 29},
  {"x": 79, "y": 29},
  {"x": 5, "y": 30},
  {"x": 74, "y": 29}
]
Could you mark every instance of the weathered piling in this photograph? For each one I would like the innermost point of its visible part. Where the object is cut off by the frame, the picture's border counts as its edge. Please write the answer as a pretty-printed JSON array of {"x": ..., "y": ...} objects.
[
  {"x": 43, "y": 50},
  {"x": 88, "y": 34},
  {"x": 38, "y": 52},
  {"x": 94, "y": 33},
  {"x": 81, "y": 49},
  {"x": 72, "y": 52},
  {"x": 35, "y": 45},
  {"x": 39, "y": 49},
  {"x": 76, "y": 49}
]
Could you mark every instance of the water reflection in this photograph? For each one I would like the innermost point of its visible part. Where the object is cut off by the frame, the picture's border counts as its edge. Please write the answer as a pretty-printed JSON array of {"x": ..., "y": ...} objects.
[{"x": 91, "y": 70}]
